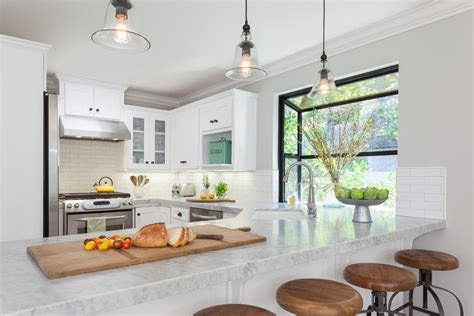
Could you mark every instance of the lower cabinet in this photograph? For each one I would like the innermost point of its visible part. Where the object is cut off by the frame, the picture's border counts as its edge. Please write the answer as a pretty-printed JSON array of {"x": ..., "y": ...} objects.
[{"x": 152, "y": 214}]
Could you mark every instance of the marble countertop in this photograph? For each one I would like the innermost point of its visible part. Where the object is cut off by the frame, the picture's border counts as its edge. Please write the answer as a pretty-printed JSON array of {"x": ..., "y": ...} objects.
[{"x": 25, "y": 290}]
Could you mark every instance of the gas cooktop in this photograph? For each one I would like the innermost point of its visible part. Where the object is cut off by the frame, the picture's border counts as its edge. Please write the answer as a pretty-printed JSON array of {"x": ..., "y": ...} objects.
[{"x": 92, "y": 195}]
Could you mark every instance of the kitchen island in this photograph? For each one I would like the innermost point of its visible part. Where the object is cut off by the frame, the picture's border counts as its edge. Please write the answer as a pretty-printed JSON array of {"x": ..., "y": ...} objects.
[{"x": 297, "y": 246}]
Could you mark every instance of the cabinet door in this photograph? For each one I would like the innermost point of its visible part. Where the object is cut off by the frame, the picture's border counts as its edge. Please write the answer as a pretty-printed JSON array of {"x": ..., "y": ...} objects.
[
  {"x": 107, "y": 103},
  {"x": 165, "y": 214},
  {"x": 148, "y": 215},
  {"x": 159, "y": 141},
  {"x": 217, "y": 114},
  {"x": 138, "y": 146},
  {"x": 79, "y": 99},
  {"x": 186, "y": 139}
]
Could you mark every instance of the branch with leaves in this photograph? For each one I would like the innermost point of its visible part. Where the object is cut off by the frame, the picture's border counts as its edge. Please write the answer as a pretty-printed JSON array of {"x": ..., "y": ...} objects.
[{"x": 339, "y": 136}]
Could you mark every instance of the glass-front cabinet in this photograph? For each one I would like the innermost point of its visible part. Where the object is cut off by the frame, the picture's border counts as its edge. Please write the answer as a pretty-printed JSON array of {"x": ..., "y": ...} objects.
[{"x": 150, "y": 141}]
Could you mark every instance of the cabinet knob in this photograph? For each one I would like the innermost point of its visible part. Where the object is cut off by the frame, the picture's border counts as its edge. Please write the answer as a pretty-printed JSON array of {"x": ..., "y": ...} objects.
[
  {"x": 215, "y": 121},
  {"x": 90, "y": 109},
  {"x": 97, "y": 110},
  {"x": 138, "y": 214},
  {"x": 211, "y": 121},
  {"x": 152, "y": 162},
  {"x": 146, "y": 162}
]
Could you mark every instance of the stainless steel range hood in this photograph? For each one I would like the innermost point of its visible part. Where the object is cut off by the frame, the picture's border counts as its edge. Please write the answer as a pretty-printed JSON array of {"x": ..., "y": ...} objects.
[{"x": 96, "y": 129}]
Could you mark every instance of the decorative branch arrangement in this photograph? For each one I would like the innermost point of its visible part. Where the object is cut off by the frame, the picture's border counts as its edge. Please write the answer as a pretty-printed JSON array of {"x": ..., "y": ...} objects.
[{"x": 339, "y": 136}]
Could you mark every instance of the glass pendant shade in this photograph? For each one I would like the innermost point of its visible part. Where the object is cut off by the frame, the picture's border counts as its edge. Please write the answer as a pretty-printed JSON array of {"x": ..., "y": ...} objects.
[
  {"x": 119, "y": 31},
  {"x": 246, "y": 66},
  {"x": 324, "y": 86}
]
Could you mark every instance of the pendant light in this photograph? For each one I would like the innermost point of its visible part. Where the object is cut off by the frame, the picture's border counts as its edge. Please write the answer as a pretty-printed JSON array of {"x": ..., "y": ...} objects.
[
  {"x": 119, "y": 30},
  {"x": 246, "y": 66},
  {"x": 325, "y": 85}
]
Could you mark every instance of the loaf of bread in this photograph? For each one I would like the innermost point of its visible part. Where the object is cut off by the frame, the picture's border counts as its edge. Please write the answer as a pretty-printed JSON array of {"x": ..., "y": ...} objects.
[
  {"x": 180, "y": 236},
  {"x": 152, "y": 235}
]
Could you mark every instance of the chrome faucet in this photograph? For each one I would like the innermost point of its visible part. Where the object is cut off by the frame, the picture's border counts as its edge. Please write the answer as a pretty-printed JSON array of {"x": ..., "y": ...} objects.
[{"x": 311, "y": 200}]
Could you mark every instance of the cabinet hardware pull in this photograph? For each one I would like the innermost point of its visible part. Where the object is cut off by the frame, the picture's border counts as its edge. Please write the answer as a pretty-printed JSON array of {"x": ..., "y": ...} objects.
[
  {"x": 215, "y": 121},
  {"x": 152, "y": 162},
  {"x": 138, "y": 214},
  {"x": 90, "y": 109},
  {"x": 211, "y": 121},
  {"x": 146, "y": 162},
  {"x": 97, "y": 110}
]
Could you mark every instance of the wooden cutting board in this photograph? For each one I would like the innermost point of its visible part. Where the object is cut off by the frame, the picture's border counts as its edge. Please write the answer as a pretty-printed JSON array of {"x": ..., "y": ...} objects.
[
  {"x": 69, "y": 258},
  {"x": 198, "y": 200}
]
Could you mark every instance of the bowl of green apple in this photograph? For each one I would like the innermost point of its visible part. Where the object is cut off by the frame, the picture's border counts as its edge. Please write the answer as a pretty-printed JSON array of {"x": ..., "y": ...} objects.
[{"x": 362, "y": 199}]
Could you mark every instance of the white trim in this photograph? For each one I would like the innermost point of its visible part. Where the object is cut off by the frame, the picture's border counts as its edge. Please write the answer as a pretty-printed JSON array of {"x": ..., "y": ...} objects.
[
  {"x": 24, "y": 42},
  {"x": 150, "y": 98},
  {"x": 65, "y": 77}
]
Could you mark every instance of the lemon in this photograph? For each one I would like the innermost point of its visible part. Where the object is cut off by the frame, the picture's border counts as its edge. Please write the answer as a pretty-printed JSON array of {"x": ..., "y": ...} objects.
[
  {"x": 212, "y": 196},
  {"x": 203, "y": 196}
]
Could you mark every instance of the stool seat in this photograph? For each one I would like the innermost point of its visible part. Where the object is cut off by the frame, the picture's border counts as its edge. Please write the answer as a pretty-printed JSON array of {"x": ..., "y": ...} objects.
[
  {"x": 319, "y": 297},
  {"x": 380, "y": 277},
  {"x": 234, "y": 310},
  {"x": 427, "y": 259}
]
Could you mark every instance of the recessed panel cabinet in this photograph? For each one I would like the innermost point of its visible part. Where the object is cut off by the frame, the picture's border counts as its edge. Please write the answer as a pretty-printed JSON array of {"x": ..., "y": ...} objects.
[
  {"x": 185, "y": 138},
  {"x": 152, "y": 214},
  {"x": 89, "y": 98},
  {"x": 150, "y": 143}
]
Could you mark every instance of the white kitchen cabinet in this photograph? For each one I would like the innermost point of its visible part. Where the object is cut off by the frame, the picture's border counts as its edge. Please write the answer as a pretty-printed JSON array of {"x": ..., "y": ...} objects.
[
  {"x": 149, "y": 147},
  {"x": 22, "y": 82},
  {"x": 217, "y": 114},
  {"x": 152, "y": 214},
  {"x": 89, "y": 98},
  {"x": 185, "y": 138}
]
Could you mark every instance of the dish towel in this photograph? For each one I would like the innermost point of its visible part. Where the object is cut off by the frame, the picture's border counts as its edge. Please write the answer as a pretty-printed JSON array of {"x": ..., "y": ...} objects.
[{"x": 95, "y": 225}]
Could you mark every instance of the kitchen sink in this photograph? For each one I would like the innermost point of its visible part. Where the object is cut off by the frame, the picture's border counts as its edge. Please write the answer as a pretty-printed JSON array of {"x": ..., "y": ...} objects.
[{"x": 279, "y": 214}]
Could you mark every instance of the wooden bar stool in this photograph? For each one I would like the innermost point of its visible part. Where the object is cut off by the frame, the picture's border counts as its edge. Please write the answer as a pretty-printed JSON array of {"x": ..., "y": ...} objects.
[
  {"x": 234, "y": 310},
  {"x": 380, "y": 279},
  {"x": 319, "y": 297},
  {"x": 427, "y": 261}
]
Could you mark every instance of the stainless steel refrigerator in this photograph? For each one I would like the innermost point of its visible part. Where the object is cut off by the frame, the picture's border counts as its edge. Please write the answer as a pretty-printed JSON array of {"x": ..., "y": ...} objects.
[{"x": 52, "y": 223}]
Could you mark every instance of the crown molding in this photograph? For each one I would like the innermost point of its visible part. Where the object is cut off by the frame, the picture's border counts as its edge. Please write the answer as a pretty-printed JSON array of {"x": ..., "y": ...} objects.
[
  {"x": 137, "y": 97},
  {"x": 429, "y": 12},
  {"x": 25, "y": 43}
]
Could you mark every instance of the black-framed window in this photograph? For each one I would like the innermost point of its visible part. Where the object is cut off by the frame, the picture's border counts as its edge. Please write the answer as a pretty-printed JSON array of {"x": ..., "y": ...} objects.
[{"x": 372, "y": 91}]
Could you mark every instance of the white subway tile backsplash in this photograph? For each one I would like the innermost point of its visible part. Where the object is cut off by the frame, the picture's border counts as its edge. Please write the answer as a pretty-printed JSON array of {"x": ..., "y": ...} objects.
[
  {"x": 421, "y": 192},
  {"x": 82, "y": 163}
]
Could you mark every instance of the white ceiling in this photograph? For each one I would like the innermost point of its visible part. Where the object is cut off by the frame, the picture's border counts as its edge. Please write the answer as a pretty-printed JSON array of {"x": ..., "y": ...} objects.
[{"x": 193, "y": 41}]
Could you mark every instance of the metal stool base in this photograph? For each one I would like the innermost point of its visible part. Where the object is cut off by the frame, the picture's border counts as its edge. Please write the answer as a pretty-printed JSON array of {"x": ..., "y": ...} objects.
[
  {"x": 426, "y": 283},
  {"x": 379, "y": 305}
]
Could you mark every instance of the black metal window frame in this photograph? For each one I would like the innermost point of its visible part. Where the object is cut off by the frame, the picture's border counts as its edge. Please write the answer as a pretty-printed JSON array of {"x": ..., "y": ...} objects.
[{"x": 283, "y": 101}]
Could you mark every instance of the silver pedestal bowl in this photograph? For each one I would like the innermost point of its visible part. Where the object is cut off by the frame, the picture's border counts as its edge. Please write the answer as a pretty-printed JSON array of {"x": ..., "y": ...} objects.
[{"x": 361, "y": 209}]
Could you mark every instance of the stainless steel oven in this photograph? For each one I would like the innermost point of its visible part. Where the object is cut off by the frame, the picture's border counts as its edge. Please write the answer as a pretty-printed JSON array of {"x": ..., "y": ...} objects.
[
  {"x": 98, "y": 212},
  {"x": 77, "y": 223},
  {"x": 200, "y": 214}
]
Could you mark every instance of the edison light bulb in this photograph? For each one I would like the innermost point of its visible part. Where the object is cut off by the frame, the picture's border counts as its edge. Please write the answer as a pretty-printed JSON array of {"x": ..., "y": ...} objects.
[
  {"x": 323, "y": 86},
  {"x": 245, "y": 66},
  {"x": 121, "y": 33}
]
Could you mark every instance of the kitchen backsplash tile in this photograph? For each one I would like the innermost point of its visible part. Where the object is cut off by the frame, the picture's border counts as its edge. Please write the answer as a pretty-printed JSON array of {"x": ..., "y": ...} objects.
[
  {"x": 83, "y": 162},
  {"x": 421, "y": 191}
]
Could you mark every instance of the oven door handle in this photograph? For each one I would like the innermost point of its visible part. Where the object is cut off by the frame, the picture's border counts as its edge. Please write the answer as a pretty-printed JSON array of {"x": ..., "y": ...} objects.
[
  {"x": 106, "y": 218},
  {"x": 206, "y": 217}
]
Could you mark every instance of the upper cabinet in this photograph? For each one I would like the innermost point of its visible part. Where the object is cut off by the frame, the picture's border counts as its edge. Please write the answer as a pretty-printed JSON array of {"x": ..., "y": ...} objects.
[
  {"x": 90, "y": 98},
  {"x": 217, "y": 114},
  {"x": 226, "y": 135},
  {"x": 185, "y": 139},
  {"x": 150, "y": 143}
]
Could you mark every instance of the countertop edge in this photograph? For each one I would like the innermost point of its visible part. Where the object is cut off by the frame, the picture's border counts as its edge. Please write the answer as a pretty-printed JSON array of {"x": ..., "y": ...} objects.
[{"x": 161, "y": 289}]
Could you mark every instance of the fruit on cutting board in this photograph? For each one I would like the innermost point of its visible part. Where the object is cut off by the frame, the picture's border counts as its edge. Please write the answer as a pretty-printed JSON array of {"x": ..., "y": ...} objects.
[
  {"x": 212, "y": 196},
  {"x": 203, "y": 196},
  {"x": 104, "y": 243}
]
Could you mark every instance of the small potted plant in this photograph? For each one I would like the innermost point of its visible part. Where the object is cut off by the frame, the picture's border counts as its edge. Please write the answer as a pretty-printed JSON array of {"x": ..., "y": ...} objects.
[
  {"x": 221, "y": 189},
  {"x": 206, "y": 184}
]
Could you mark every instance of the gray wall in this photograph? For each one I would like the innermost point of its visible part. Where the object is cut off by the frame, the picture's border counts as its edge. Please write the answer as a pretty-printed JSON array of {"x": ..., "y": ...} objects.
[{"x": 435, "y": 122}]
